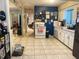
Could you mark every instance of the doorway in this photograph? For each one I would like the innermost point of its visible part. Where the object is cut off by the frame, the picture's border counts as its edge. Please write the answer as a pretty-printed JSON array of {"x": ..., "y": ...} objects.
[{"x": 30, "y": 24}]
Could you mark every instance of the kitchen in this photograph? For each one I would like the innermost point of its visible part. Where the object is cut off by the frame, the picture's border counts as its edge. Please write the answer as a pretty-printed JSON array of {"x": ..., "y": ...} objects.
[{"x": 45, "y": 29}]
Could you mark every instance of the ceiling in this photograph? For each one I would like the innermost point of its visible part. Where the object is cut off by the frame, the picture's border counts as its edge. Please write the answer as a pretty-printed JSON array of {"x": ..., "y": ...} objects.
[
  {"x": 12, "y": 5},
  {"x": 32, "y": 3}
]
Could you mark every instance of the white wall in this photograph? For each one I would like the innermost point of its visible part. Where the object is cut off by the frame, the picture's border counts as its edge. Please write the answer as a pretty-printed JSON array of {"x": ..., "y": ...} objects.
[{"x": 4, "y": 5}]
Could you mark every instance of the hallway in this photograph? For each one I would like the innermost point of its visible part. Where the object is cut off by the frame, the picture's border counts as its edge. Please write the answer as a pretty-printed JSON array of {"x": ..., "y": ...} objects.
[{"x": 42, "y": 48}]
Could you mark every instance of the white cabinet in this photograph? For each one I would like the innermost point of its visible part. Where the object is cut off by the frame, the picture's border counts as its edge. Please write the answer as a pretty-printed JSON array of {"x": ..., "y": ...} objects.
[
  {"x": 71, "y": 40},
  {"x": 59, "y": 34},
  {"x": 66, "y": 38},
  {"x": 40, "y": 30},
  {"x": 62, "y": 36},
  {"x": 56, "y": 32}
]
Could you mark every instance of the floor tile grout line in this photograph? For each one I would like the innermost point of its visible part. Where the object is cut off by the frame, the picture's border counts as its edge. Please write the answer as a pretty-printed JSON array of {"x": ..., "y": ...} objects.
[
  {"x": 44, "y": 49},
  {"x": 41, "y": 45}
]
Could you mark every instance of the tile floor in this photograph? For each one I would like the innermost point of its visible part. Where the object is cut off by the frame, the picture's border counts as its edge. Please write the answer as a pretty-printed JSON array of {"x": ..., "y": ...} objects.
[{"x": 42, "y": 48}]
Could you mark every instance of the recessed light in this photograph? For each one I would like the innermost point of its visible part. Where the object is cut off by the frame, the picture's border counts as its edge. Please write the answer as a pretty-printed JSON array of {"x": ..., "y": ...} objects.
[{"x": 51, "y": 1}]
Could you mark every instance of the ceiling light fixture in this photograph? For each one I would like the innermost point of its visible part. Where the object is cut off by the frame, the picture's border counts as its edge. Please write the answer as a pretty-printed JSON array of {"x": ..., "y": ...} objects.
[{"x": 51, "y": 1}]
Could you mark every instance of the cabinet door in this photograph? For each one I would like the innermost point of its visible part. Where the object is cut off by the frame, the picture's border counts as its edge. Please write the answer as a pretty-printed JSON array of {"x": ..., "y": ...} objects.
[
  {"x": 59, "y": 35},
  {"x": 71, "y": 40},
  {"x": 55, "y": 32},
  {"x": 66, "y": 40},
  {"x": 62, "y": 36}
]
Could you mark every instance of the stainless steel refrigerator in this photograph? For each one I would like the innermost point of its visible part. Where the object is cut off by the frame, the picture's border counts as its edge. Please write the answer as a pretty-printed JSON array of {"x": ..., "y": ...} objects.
[{"x": 76, "y": 39}]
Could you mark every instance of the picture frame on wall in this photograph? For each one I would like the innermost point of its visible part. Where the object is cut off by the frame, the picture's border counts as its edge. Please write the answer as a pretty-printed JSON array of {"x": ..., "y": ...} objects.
[
  {"x": 55, "y": 17},
  {"x": 47, "y": 16},
  {"x": 52, "y": 13},
  {"x": 40, "y": 13},
  {"x": 55, "y": 13},
  {"x": 47, "y": 13}
]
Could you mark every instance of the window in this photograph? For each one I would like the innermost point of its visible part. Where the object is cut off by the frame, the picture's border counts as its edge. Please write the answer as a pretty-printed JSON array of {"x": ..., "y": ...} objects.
[{"x": 68, "y": 17}]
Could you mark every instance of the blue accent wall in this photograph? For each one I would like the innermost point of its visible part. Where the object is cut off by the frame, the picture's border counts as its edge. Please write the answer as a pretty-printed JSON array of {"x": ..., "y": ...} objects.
[
  {"x": 44, "y": 9},
  {"x": 38, "y": 9}
]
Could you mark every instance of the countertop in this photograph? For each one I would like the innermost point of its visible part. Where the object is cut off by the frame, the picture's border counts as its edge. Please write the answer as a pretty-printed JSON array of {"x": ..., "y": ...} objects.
[{"x": 65, "y": 28}]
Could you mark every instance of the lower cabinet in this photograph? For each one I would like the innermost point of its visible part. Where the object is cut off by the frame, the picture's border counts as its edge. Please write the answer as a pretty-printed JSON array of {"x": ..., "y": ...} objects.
[
  {"x": 59, "y": 35},
  {"x": 56, "y": 32},
  {"x": 71, "y": 40},
  {"x": 66, "y": 37},
  {"x": 62, "y": 36}
]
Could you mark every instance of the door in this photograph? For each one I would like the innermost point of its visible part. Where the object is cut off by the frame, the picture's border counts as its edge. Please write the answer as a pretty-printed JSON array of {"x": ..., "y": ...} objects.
[{"x": 19, "y": 25}]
